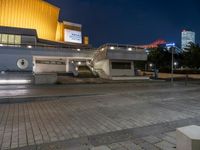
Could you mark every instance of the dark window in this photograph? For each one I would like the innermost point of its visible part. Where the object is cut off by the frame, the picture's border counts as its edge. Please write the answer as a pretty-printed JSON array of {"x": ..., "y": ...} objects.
[
  {"x": 121, "y": 65},
  {"x": 50, "y": 62}
]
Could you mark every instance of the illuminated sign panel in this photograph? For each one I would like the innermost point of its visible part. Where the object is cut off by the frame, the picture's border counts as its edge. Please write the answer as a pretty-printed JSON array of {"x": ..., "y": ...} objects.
[{"x": 73, "y": 36}]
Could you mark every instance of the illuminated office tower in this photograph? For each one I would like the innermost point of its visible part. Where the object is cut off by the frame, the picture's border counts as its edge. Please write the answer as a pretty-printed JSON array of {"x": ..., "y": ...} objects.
[{"x": 187, "y": 37}]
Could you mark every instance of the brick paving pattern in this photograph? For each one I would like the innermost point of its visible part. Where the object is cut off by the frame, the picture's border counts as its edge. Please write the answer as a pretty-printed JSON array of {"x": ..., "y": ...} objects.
[{"x": 115, "y": 121}]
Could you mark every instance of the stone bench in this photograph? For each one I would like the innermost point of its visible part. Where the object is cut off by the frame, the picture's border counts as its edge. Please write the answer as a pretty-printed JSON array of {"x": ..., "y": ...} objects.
[{"x": 188, "y": 138}]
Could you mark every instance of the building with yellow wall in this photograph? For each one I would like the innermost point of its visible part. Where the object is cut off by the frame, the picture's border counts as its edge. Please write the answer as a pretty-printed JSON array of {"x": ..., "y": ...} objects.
[{"x": 36, "y": 14}]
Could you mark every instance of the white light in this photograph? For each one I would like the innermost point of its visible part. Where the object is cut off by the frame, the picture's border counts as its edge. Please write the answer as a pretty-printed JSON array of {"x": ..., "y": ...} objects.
[
  {"x": 151, "y": 65},
  {"x": 112, "y": 48},
  {"x": 78, "y": 49},
  {"x": 130, "y": 49},
  {"x": 175, "y": 63},
  {"x": 76, "y": 68},
  {"x": 79, "y": 63},
  {"x": 15, "y": 81},
  {"x": 72, "y": 61},
  {"x": 102, "y": 49},
  {"x": 1, "y": 44},
  {"x": 170, "y": 44},
  {"x": 3, "y": 72},
  {"x": 29, "y": 46}
]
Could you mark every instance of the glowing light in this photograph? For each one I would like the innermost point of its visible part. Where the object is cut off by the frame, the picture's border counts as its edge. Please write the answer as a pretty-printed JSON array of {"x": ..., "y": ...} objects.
[
  {"x": 112, "y": 47},
  {"x": 1, "y": 45},
  {"x": 151, "y": 65},
  {"x": 78, "y": 49},
  {"x": 175, "y": 63},
  {"x": 29, "y": 46},
  {"x": 170, "y": 44},
  {"x": 76, "y": 68},
  {"x": 79, "y": 63},
  {"x": 102, "y": 49},
  {"x": 130, "y": 49},
  {"x": 15, "y": 81},
  {"x": 2, "y": 72}
]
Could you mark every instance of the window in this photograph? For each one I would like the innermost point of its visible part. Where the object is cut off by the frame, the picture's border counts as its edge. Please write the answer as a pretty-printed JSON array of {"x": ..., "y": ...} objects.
[
  {"x": 17, "y": 39},
  {"x": 4, "y": 39},
  {"x": 11, "y": 39},
  {"x": 121, "y": 65},
  {"x": 50, "y": 62}
]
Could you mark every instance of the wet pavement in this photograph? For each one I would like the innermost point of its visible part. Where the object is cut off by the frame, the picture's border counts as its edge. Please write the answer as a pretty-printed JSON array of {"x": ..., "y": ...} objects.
[{"x": 97, "y": 116}]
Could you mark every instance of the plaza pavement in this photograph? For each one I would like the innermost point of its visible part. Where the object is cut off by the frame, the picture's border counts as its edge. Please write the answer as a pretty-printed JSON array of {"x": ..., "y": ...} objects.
[{"x": 131, "y": 116}]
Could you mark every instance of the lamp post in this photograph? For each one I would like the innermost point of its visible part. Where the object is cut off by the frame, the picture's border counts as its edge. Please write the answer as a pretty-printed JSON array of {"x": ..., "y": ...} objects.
[
  {"x": 172, "y": 69},
  {"x": 172, "y": 47}
]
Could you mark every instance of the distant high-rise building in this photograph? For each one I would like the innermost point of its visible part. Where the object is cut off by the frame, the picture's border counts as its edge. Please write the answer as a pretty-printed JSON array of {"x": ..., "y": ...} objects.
[{"x": 187, "y": 37}]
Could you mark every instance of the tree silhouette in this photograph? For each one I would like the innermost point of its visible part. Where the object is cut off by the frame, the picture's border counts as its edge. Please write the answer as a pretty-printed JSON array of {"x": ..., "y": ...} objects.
[{"x": 191, "y": 56}]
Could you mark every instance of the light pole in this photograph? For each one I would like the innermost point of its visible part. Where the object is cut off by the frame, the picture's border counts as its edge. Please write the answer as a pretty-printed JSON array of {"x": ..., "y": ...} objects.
[
  {"x": 172, "y": 47},
  {"x": 172, "y": 70}
]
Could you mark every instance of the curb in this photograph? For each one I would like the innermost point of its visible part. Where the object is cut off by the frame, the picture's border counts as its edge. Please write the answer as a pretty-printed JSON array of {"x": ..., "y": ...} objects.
[{"x": 25, "y": 99}]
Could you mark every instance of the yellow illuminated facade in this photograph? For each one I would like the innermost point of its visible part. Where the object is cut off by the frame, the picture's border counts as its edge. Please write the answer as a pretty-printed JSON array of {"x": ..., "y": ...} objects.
[
  {"x": 60, "y": 32},
  {"x": 31, "y": 14},
  {"x": 39, "y": 15}
]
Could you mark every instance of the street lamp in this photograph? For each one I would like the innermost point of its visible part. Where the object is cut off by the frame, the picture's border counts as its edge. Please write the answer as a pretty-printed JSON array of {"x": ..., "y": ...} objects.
[
  {"x": 175, "y": 64},
  {"x": 172, "y": 47}
]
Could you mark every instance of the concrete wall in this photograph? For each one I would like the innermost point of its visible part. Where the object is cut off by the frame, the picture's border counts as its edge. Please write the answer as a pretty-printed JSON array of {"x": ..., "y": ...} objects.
[
  {"x": 122, "y": 72},
  {"x": 104, "y": 65},
  {"x": 10, "y": 55},
  {"x": 45, "y": 78},
  {"x": 125, "y": 55},
  {"x": 49, "y": 68},
  {"x": 8, "y": 62}
]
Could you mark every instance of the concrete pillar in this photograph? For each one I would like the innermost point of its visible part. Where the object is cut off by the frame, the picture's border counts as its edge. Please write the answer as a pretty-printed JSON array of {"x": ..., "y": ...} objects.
[{"x": 67, "y": 65}]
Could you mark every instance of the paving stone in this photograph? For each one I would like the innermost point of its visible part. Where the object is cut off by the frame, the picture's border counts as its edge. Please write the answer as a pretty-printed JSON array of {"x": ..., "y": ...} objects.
[
  {"x": 164, "y": 145},
  {"x": 100, "y": 148},
  {"x": 148, "y": 146},
  {"x": 124, "y": 115},
  {"x": 152, "y": 139},
  {"x": 130, "y": 145}
]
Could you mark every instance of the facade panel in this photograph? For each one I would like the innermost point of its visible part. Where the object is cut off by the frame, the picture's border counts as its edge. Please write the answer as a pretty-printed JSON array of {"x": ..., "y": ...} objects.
[{"x": 32, "y": 14}]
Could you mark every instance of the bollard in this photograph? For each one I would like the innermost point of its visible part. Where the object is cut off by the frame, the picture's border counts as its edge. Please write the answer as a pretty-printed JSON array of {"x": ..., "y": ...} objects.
[{"x": 186, "y": 79}]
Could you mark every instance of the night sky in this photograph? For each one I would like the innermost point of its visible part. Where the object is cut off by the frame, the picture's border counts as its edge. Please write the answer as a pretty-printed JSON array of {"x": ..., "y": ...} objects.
[{"x": 132, "y": 21}]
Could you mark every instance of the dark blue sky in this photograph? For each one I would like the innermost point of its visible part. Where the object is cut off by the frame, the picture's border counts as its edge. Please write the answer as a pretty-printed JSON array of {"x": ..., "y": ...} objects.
[{"x": 132, "y": 21}]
